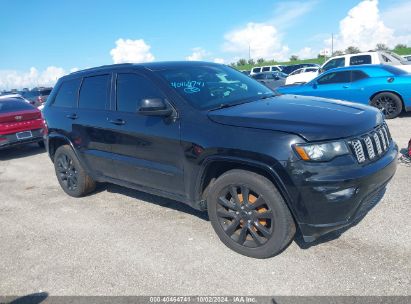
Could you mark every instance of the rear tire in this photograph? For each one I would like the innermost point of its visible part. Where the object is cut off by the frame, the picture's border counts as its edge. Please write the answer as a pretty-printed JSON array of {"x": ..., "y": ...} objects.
[
  {"x": 389, "y": 103},
  {"x": 72, "y": 177},
  {"x": 249, "y": 215}
]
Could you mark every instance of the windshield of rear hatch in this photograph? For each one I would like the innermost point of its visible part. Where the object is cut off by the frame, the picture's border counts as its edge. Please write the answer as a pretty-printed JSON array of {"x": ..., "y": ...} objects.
[
  {"x": 14, "y": 105},
  {"x": 209, "y": 87}
]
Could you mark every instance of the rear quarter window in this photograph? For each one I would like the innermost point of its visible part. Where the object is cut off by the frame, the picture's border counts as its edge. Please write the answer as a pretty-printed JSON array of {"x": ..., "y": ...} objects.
[
  {"x": 362, "y": 59},
  {"x": 66, "y": 96}
]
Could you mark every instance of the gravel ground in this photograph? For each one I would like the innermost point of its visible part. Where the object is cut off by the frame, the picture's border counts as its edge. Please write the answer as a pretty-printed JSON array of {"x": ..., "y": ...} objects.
[{"x": 124, "y": 242}]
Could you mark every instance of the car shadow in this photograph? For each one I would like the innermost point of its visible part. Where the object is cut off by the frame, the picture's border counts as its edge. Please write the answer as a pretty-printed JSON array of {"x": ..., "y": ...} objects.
[
  {"x": 404, "y": 115},
  {"x": 153, "y": 199},
  {"x": 34, "y": 298},
  {"x": 21, "y": 151}
]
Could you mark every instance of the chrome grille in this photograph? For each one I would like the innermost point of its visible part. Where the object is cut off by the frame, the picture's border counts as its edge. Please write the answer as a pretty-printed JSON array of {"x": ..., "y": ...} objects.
[
  {"x": 358, "y": 150},
  {"x": 377, "y": 143},
  {"x": 372, "y": 145}
]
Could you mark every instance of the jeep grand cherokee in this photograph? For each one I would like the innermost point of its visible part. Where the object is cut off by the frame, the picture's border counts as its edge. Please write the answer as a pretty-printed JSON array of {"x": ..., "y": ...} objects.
[{"x": 261, "y": 163}]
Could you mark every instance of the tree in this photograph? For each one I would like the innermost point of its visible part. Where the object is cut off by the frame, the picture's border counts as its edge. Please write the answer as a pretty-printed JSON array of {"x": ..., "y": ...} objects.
[
  {"x": 260, "y": 60},
  {"x": 338, "y": 53},
  {"x": 293, "y": 58},
  {"x": 251, "y": 62},
  {"x": 352, "y": 50},
  {"x": 381, "y": 47},
  {"x": 400, "y": 46},
  {"x": 241, "y": 61}
]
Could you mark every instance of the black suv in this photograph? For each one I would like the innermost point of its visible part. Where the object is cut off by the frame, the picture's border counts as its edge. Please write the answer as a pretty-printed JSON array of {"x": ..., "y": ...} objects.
[{"x": 261, "y": 163}]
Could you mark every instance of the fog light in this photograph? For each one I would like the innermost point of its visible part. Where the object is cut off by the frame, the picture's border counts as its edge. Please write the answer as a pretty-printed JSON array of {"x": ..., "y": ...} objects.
[{"x": 342, "y": 194}]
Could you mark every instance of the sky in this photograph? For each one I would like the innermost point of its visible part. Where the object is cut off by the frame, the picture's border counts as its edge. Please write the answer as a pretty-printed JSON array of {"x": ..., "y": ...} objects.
[{"x": 42, "y": 40}]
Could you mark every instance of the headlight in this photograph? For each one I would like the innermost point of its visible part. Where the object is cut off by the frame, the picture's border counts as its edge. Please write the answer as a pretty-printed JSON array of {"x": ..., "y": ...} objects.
[{"x": 321, "y": 152}]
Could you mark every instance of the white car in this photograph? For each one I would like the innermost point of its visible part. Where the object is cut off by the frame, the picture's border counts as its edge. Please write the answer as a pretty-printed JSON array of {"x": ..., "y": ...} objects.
[
  {"x": 373, "y": 57},
  {"x": 271, "y": 68},
  {"x": 302, "y": 75},
  {"x": 255, "y": 70},
  {"x": 377, "y": 57}
]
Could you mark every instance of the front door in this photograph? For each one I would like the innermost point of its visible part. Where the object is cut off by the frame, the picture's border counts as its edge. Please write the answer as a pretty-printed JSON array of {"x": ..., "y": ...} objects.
[{"x": 146, "y": 149}]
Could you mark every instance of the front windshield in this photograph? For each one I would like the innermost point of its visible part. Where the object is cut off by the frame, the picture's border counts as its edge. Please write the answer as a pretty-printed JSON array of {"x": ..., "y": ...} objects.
[{"x": 210, "y": 87}]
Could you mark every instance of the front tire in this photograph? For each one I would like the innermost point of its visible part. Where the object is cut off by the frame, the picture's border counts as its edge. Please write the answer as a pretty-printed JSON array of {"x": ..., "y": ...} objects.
[
  {"x": 389, "y": 103},
  {"x": 249, "y": 215},
  {"x": 72, "y": 178}
]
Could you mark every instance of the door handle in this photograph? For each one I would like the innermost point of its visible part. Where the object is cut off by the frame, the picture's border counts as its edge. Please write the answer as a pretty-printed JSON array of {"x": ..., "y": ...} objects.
[
  {"x": 118, "y": 122},
  {"x": 72, "y": 116},
  {"x": 345, "y": 87}
]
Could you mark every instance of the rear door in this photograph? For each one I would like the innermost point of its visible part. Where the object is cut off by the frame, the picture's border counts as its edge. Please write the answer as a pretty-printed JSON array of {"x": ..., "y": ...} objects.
[
  {"x": 146, "y": 149},
  {"x": 91, "y": 129}
]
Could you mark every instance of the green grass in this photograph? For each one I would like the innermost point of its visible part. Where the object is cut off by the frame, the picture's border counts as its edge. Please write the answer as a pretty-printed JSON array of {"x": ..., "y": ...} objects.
[{"x": 249, "y": 66}]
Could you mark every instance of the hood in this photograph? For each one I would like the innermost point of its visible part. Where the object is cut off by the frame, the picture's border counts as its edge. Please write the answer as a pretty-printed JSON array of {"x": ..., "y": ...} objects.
[{"x": 313, "y": 118}]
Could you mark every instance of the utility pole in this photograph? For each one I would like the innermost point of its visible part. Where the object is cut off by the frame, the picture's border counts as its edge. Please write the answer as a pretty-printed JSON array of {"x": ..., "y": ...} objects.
[{"x": 249, "y": 51}]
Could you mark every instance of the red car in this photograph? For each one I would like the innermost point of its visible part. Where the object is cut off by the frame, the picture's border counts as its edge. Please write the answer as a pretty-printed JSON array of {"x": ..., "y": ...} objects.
[{"x": 20, "y": 123}]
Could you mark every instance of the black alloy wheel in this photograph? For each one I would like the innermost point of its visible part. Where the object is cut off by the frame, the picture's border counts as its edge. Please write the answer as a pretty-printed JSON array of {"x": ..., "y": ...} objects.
[
  {"x": 68, "y": 173},
  {"x": 72, "y": 177},
  {"x": 245, "y": 216},
  {"x": 249, "y": 215},
  {"x": 389, "y": 104}
]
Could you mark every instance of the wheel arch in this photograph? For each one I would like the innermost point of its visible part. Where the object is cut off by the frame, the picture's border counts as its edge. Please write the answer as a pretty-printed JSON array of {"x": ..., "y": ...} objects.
[
  {"x": 216, "y": 166},
  {"x": 54, "y": 141}
]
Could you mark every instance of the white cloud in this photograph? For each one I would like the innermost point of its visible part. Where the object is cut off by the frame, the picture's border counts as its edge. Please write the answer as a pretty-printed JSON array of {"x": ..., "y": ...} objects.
[
  {"x": 307, "y": 53},
  {"x": 131, "y": 51},
  {"x": 12, "y": 79},
  {"x": 398, "y": 18},
  {"x": 364, "y": 27},
  {"x": 261, "y": 39},
  {"x": 289, "y": 13},
  {"x": 219, "y": 60},
  {"x": 198, "y": 54}
]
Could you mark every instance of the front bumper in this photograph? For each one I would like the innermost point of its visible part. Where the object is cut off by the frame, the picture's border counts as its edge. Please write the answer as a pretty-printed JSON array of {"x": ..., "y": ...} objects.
[{"x": 317, "y": 207}]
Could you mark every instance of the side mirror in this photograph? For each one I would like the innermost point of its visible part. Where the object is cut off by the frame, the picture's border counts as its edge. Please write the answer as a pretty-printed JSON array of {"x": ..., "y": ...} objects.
[
  {"x": 154, "y": 107},
  {"x": 276, "y": 77},
  {"x": 315, "y": 85}
]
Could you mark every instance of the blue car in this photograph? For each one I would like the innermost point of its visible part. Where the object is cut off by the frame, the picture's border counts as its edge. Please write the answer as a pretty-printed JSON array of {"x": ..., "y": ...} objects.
[{"x": 382, "y": 86}]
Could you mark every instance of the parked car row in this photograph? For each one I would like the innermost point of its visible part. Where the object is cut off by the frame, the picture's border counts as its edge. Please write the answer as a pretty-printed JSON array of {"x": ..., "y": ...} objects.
[{"x": 35, "y": 96}]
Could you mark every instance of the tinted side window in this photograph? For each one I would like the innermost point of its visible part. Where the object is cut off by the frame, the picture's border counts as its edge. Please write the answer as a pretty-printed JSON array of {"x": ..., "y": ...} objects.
[
  {"x": 336, "y": 77},
  {"x": 67, "y": 94},
  {"x": 335, "y": 63},
  {"x": 358, "y": 75},
  {"x": 94, "y": 92},
  {"x": 265, "y": 69},
  {"x": 362, "y": 59},
  {"x": 131, "y": 89}
]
